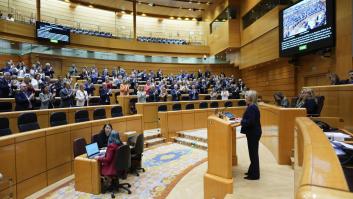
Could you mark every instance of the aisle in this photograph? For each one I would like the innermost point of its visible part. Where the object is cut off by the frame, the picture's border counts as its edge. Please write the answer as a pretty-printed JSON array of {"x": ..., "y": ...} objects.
[{"x": 277, "y": 182}]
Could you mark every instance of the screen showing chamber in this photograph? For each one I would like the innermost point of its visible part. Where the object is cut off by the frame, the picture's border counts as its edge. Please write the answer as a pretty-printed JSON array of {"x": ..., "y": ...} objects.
[
  {"x": 306, "y": 26},
  {"x": 52, "y": 33}
]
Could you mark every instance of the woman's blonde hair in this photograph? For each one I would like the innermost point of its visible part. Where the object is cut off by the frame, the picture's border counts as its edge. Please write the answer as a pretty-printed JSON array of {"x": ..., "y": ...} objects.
[{"x": 252, "y": 96}]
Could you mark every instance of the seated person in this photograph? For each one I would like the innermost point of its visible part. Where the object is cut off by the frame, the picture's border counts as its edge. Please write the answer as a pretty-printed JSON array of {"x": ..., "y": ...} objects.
[
  {"x": 350, "y": 76},
  {"x": 281, "y": 100},
  {"x": 334, "y": 79},
  {"x": 213, "y": 94},
  {"x": 108, "y": 160},
  {"x": 102, "y": 138},
  {"x": 307, "y": 100}
]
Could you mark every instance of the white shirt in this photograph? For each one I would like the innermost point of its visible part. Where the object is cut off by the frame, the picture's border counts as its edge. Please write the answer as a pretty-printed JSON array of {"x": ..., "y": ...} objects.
[
  {"x": 35, "y": 83},
  {"x": 81, "y": 97},
  {"x": 225, "y": 95}
]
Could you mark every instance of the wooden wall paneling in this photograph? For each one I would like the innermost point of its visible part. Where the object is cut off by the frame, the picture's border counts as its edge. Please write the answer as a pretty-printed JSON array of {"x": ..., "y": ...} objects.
[
  {"x": 188, "y": 119},
  {"x": 134, "y": 124},
  {"x": 260, "y": 50},
  {"x": 343, "y": 37},
  {"x": 30, "y": 155},
  {"x": 7, "y": 159},
  {"x": 247, "y": 5},
  {"x": 59, "y": 173},
  {"x": 163, "y": 124},
  {"x": 174, "y": 123},
  {"x": 31, "y": 185},
  {"x": 58, "y": 146},
  {"x": 200, "y": 118},
  {"x": 9, "y": 192}
]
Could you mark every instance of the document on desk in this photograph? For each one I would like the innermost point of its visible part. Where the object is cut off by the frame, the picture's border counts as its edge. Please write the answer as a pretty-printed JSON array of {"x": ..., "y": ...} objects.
[{"x": 337, "y": 136}]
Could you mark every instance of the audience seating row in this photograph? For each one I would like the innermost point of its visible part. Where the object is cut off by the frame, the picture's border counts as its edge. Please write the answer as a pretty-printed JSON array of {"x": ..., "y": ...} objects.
[
  {"x": 162, "y": 40},
  {"x": 150, "y": 110},
  {"x": 21, "y": 121},
  {"x": 32, "y": 160}
]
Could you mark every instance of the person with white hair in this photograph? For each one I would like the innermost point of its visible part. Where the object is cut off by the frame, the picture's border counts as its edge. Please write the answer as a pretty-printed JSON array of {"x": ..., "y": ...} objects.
[{"x": 251, "y": 126}]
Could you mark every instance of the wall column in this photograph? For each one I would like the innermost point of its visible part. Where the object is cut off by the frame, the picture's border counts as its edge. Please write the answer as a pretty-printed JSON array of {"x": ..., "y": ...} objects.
[
  {"x": 134, "y": 16},
  {"x": 38, "y": 9},
  {"x": 343, "y": 38}
]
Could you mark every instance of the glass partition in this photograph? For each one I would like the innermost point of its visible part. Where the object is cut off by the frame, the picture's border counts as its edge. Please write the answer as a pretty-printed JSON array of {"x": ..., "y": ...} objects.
[{"x": 15, "y": 48}]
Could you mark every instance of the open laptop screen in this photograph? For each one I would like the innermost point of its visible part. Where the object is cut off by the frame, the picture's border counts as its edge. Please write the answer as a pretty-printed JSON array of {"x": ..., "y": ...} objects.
[{"x": 92, "y": 149}]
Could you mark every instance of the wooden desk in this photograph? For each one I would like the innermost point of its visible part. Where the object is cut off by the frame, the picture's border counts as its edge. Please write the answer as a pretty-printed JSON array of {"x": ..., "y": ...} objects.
[
  {"x": 35, "y": 159},
  {"x": 149, "y": 110},
  {"x": 278, "y": 130},
  {"x": 171, "y": 122},
  {"x": 318, "y": 172},
  {"x": 338, "y": 102},
  {"x": 218, "y": 180},
  {"x": 87, "y": 175}
]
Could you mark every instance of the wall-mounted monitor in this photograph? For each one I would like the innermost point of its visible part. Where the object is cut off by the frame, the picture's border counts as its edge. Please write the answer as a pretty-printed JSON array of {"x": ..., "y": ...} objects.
[
  {"x": 52, "y": 33},
  {"x": 306, "y": 26}
]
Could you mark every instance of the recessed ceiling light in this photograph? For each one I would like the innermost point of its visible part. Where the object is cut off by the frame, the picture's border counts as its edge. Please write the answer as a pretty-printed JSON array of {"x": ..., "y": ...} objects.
[
  {"x": 151, "y": 4},
  {"x": 122, "y": 12},
  {"x": 171, "y": 18},
  {"x": 90, "y": 6},
  {"x": 179, "y": 18},
  {"x": 190, "y": 9},
  {"x": 194, "y": 19},
  {"x": 187, "y": 19},
  {"x": 143, "y": 14},
  {"x": 67, "y": 1}
]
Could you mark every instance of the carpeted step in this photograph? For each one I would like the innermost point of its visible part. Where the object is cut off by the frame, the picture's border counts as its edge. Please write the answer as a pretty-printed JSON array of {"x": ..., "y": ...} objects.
[
  {"x": 192, "y": 143},
  {"x": 154, "y": 141},
  {"x": 199, "y": 135},
  {"x": 151, "y": 134}
]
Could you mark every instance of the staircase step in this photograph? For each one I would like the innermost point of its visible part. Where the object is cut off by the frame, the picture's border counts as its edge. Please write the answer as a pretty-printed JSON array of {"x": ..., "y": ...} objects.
[
  {"x": 199, "y": 135},
  {"x": 151, "y": 134},
  {"x": 154, "y": 141},
  {"x": 193, "y": 143}
]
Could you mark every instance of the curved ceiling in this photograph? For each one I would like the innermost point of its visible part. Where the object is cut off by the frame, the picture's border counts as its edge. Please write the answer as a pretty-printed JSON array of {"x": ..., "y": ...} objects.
[{"x": 155, "y": 8}]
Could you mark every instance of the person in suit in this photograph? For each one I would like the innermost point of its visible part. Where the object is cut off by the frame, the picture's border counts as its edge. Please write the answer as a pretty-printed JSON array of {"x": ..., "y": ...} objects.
[
  {"x": 153, "y": 94},
  {"x": 46, "y": 98},
  {"x": 251, "y": 126},
  {"x": 23, "y": 99},
  {"x": 310, "y": 102},
  {"x": 194, "y": 93},
  {"x": 175, "y": 93},
  {"x": 109, "y": 159},
  {"x": 104, "y": 94},
  {"x": 5, "y": 85},
  {"x": 141, "y": 94},
  {"x": 281, "y": 100},
  {"x": 102, "y": 137},
  {"x": 350, "y": 77},
  {"x": 66, "y": 95}
]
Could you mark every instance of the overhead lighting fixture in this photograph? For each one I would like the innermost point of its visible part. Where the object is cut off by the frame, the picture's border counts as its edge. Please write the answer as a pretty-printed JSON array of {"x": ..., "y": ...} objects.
[
  {"x": 190, "y": 9},
  {"x": 123, "y": 12},
  {"x": 67, "y": 1},
  {"x": 90, "y": 6},
  {"x": 179, "y": 18},
  {"x": 143, "y": 14},
  {"x": 194, "y": 19},
  {"x": 186, "y": 19},
  {"x": 151, "y": 4},
  {"x": 171, "y": 18},
  {"x": 208, "y": 3},
  {"x": 224, "y": 20}
]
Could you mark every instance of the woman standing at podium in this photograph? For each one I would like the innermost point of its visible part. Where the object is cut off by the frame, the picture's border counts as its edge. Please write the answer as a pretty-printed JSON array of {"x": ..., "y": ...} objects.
[{"x": 251, "y": 126}]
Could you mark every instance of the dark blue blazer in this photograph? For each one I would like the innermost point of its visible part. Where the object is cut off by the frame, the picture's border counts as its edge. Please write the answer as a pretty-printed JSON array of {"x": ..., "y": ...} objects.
[
  {"x": 250, "y": 124},
  {"x": 311, "y": 106},
  {"x": 104, "y": 96},
  {"x": 4, "y": 88},
  {"x": 22, "y": 102},
  {"x": 175, "y": 95},
  {"x": 194, "y": 95}
]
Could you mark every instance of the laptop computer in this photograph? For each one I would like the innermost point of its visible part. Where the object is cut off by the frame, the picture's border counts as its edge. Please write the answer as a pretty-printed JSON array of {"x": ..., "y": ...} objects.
[{"x": 92, "y": 150}]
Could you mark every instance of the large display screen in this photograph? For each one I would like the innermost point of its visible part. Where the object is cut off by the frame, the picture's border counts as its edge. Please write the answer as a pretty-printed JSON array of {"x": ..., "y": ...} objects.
[
  {"x": 306, "y": 26},
  {"x": 52, "y": 33}
]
